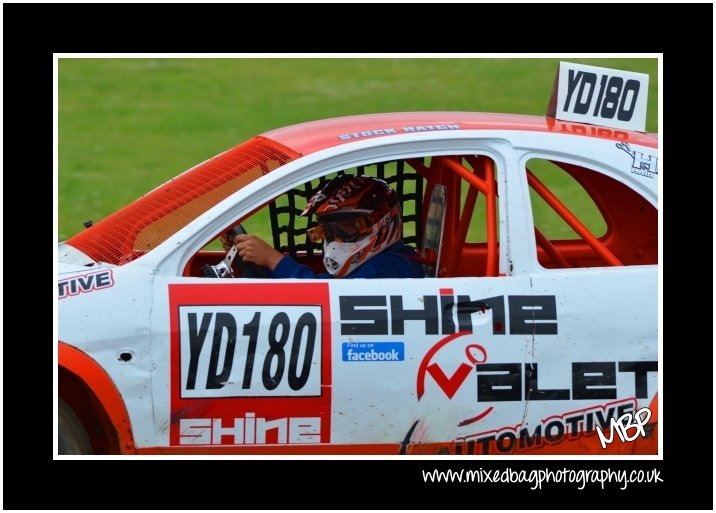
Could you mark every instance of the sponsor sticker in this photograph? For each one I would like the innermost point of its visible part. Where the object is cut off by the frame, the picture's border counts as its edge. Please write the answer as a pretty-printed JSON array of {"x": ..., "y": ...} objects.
[
  {"x": 373, "y": 351},
  {"x": 641, "y": 163},
  {"x": 250, "y": 364},
  {"x": 85, "y": 283},
  {"x": 249, "y": 430}
]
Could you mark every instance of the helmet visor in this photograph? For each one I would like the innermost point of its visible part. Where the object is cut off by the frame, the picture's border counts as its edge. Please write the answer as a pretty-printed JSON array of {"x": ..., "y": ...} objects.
[{"x": 339, "y": 228}]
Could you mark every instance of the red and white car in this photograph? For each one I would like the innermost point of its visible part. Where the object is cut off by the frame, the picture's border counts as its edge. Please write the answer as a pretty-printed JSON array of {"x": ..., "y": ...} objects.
[{"x": 521, "y": 340}]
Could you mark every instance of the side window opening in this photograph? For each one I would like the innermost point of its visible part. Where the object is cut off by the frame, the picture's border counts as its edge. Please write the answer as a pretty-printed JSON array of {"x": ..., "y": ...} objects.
[
  {"x": 469, "y": 230},
  {"x": 583, "y": 218}
]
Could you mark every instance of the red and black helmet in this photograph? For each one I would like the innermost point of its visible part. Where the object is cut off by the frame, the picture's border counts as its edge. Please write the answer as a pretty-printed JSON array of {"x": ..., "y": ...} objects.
[
  {"x": 358, "y": 216},
  {"x": 352, "y": 194}
]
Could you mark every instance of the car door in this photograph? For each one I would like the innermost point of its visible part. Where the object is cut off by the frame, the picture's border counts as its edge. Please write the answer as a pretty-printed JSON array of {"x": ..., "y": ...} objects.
[
  {"x": 599, "y": 262},
  {"x": 433, "y": 365}
]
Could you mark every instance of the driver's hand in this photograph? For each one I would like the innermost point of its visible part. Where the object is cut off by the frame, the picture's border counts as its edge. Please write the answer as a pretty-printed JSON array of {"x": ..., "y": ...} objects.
[{"x": 256, "y": 251}]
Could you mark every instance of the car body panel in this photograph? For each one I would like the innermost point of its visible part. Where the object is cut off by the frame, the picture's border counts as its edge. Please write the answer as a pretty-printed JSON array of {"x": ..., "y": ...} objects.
[{"x": 524, "y": 361}]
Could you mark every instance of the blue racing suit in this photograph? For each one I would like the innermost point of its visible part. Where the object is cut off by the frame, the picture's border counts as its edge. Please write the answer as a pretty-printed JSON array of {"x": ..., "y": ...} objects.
[{"x": 397, "y": 261}]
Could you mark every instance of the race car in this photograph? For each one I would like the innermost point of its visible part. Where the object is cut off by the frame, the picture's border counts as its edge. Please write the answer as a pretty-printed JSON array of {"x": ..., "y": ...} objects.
[{"x": 534, "y": 330}]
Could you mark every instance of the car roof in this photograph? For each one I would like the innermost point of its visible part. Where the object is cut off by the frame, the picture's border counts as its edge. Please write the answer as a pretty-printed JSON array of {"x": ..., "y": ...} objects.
[
  {"x": 132, "y": 231},
  {"x": 314, "y": 136}
]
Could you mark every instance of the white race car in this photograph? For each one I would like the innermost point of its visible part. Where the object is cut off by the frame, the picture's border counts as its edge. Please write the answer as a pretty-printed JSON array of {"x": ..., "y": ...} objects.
[{"x": 535, "y": 330}]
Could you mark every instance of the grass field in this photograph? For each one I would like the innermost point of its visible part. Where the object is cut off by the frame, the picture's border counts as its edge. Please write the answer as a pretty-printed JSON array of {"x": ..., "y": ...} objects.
[{"x": 128, "y": 125}]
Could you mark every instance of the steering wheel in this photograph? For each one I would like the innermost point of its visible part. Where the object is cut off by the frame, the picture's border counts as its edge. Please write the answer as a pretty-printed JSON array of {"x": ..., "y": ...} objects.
[{"x": 247, "y": 269}]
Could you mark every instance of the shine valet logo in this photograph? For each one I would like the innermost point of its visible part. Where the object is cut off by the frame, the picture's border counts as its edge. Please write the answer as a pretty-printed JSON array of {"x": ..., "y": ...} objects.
[{"x": 373, "y": 351}]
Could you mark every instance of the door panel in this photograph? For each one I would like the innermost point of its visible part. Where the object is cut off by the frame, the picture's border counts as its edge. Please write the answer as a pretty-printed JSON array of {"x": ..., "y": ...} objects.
[
  {"x": 604, "y": 358},
  {"x": 427, "y": 362}
]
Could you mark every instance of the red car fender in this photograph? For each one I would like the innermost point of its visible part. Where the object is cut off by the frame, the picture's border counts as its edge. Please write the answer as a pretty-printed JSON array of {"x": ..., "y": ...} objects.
[{"x": 101, "y": 385}]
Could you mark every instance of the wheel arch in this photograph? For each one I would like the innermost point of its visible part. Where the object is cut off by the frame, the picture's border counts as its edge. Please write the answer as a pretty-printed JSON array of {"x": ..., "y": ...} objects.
[{"x": 90, "y": 392}]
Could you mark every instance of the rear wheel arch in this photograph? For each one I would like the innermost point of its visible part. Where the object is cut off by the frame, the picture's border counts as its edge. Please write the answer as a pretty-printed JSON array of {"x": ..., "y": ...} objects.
[{"x": 90, "y": 393}]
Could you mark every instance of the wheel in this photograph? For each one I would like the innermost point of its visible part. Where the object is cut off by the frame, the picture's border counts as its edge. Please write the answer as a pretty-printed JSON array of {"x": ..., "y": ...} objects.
[{"x": 71, "y": 434}]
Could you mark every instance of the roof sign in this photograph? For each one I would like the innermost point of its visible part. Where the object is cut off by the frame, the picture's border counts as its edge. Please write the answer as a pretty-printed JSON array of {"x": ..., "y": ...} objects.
[{"x": 599, "y": 96}]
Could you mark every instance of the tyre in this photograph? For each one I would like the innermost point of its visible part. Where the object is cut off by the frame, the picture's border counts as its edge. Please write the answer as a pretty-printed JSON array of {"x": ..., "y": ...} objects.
[{"x": 72, "y": 436}]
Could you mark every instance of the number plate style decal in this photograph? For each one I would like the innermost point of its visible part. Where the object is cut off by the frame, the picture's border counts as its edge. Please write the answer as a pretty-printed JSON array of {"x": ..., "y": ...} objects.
[
  {"x": 250, "y": 351},
  {"x": 600, "y": 96},
  {"x": 250, "y": 364}
]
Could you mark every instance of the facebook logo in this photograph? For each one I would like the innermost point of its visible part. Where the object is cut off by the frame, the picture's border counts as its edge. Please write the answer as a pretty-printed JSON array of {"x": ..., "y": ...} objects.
[{"x": 373, "y": 351}]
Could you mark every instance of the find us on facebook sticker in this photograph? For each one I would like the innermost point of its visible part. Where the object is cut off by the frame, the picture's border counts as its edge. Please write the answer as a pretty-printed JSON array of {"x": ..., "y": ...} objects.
[{"x": 373, "y": 351}]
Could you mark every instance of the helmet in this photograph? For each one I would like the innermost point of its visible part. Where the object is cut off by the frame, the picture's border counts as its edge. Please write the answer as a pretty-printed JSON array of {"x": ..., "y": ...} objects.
[{"x": 358, "y": 217}]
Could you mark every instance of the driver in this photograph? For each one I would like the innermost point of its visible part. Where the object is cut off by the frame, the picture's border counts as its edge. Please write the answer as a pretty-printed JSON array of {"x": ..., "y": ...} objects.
[{"x": 360, "y": 224}]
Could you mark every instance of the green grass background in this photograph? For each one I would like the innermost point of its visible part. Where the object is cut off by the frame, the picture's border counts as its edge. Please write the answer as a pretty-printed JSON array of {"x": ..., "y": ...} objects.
[{"x": 127, "y": 125}]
